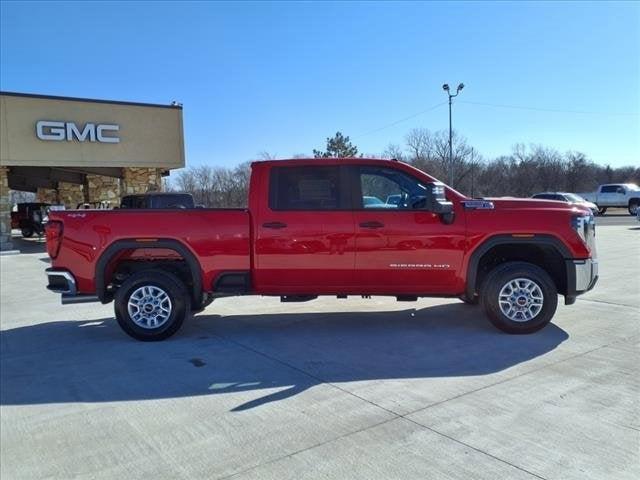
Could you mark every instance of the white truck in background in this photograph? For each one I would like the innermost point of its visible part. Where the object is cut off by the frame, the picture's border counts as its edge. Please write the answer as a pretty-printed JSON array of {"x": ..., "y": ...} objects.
[{"x": 615, "y": 195}]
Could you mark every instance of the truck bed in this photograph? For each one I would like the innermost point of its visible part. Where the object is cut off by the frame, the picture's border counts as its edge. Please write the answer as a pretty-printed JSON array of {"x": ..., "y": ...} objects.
[{"x": 218, "y": 238}]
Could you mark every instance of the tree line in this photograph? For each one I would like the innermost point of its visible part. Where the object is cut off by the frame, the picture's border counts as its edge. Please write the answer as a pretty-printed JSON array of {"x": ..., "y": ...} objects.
[{"x": 521, "y": 173}]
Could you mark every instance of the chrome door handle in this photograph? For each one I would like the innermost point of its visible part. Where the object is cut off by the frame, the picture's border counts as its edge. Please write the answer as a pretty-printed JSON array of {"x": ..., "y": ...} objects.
[
  {"x": 275, "y": 225},
  {"x": 373, "y": 224}
]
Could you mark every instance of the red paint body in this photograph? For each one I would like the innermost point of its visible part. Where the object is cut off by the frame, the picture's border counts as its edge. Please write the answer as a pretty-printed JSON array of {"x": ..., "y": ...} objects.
[{"x": 319, "y": 252}]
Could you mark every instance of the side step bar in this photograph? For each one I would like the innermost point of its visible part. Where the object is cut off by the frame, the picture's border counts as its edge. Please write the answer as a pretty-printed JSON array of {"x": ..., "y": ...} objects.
[{"x": 69, "y": 299}]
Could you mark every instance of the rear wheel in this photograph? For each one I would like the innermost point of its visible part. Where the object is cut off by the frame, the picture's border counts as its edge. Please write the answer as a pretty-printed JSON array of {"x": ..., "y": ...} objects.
[
  {"x": 207, "y": 299},
  {"x": 151, "y": 305},
  {"x": 27, "y": 232},
  {"x": 633, "y": 206},
  {"x": 602, "y": 210},
  {"x": 519, "y": 297}
]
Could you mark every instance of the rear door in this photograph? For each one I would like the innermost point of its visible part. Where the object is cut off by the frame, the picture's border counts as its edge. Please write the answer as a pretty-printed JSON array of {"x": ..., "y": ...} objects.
[
  {"x": 304, "y": 239},
  {"x": 401, "y": 247}
]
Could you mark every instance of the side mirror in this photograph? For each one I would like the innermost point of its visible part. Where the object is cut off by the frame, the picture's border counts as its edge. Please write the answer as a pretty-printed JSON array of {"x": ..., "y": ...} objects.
[{"x": 437, "y": 202}]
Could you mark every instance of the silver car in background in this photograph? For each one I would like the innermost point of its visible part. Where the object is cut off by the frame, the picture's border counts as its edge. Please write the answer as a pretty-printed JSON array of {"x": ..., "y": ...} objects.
[{"x": 566, "y": 197}]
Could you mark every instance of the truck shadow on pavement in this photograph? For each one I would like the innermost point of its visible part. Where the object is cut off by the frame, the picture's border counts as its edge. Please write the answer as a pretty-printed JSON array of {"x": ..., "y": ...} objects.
[{"x": 93, "y": 361}]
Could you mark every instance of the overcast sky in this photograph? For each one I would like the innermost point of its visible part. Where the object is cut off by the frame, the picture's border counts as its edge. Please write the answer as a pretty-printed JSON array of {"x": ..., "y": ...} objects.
[{"x": 281, "y": 77}]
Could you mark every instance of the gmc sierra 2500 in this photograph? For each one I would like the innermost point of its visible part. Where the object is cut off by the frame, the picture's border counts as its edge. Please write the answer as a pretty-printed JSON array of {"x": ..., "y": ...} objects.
[{"x": 308, "y": 232}]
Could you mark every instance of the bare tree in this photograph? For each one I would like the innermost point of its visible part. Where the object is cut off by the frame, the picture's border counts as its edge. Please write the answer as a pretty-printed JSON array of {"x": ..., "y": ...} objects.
[
  {"x": 264, "y": 155},
  {"x": 420, "y": 145},
  {"x": 523, "y": 172},
  {"x": 394, "y": 150}
]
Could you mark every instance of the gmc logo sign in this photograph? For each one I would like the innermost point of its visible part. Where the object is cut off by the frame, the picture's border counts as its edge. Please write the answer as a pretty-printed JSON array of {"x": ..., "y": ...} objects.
[{"x": 59, "y": 131}]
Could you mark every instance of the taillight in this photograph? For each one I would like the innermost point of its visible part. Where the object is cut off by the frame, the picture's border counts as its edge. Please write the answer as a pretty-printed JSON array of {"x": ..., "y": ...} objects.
[{"x": 53, "y": 232}]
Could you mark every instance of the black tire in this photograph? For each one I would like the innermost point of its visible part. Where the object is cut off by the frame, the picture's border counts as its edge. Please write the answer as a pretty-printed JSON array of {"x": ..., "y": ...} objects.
[
  {"x": 473, "y": 301},
  {"x": 27, "y": 232},
  {"x": 602, "y": 210},
  {"x": 633, "y": 206},
  {"x": 207, "y": 300},
  {"x": 499, "y": 278},
  {"x": 168, "y": 283}
]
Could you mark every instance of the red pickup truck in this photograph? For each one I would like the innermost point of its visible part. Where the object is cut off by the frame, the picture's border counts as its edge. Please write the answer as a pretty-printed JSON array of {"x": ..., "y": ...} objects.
[{"x": 327, "y": 227}]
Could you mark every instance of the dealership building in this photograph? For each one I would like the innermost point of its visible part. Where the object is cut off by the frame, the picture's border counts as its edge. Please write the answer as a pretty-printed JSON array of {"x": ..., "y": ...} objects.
[{"x": 76, "y": 150}]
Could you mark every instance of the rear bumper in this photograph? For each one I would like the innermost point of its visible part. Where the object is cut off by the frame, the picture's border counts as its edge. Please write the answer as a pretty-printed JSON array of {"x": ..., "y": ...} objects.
[
  {"x": 582, "y": 276},
  {"x": 63, "y": 282}
]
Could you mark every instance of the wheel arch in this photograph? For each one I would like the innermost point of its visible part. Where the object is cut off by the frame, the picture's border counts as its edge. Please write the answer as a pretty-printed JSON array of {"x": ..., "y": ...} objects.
[
  {"x": 163, "y": 243},
  {"x": 540, "y": 242}
]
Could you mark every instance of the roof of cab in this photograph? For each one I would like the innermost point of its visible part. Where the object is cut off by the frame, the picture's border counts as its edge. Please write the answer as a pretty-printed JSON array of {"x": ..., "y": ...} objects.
[{"x": 325, "y": 161}]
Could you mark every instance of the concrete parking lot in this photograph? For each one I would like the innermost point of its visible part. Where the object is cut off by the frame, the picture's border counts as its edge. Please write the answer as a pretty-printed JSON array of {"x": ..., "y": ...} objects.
[{"x": 330, "y": 389}]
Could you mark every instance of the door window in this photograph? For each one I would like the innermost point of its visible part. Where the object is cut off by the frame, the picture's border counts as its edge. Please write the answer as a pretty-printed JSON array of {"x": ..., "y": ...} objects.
[
  {"x": 390, "y": 189},
  {"x": 610, "y": 189},
  {"x": 306, "y": 188}
]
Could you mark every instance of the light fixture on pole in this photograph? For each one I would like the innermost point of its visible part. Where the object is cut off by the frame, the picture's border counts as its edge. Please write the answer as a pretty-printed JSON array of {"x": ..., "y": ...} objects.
[{"x": 445, "y": 87}]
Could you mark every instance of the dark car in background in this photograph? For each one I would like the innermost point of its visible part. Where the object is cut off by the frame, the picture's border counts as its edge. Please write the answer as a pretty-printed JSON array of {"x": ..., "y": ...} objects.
[
  {"x": 158, "y": 200},
  {"x": 28, "y": 218}
]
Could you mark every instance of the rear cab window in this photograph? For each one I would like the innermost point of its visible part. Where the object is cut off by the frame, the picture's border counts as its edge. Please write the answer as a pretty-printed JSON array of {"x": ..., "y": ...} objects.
[{"x": 308, "y": 188}]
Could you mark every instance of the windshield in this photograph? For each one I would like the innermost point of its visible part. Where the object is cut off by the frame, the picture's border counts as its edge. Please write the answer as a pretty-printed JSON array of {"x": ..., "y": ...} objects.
[
  {"x": 546, "y": 196},
  {"x": 632, "y": 186},
  {"x": 572, "y": 197}
]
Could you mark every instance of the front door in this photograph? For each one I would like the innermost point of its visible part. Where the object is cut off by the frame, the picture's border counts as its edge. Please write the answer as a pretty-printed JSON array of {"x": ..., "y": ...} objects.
[
  {"x": 400, "y": 246},
  {"x": 305, "y": 233}
]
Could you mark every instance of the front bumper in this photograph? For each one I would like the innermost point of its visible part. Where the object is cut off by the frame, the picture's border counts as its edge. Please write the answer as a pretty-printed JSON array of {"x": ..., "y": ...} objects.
[
  {"x": 582, "y": 276},
  {"x": 63, "y": 282}
]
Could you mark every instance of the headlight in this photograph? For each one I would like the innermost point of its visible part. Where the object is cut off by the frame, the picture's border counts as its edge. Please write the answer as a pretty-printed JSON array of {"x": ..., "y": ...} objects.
[{"x": 585, "y": 227}]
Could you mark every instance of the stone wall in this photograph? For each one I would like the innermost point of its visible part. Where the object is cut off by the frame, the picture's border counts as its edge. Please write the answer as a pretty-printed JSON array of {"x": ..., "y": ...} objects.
[
  {"x": 141, "y": 180},
  {"x": 103, "y": 188},
  {"x": 47, "y": 195},
  {"x": 71, "y": 194},
  {"x": 5, "y": 211}
]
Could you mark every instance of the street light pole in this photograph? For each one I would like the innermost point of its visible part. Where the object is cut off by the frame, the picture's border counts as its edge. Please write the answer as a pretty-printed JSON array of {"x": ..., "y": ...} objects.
[{"x": 445, "y": 87}]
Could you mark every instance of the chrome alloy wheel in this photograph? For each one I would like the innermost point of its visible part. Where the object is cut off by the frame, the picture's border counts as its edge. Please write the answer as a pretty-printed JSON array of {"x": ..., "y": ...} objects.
[
  {"x": 521, "y": 299},
  {"x": 149, "y": 306}
]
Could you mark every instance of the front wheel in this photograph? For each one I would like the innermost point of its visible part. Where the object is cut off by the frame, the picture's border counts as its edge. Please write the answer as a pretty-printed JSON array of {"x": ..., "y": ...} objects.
[
  {"x": 151, "y": 305},
  {"x": 27, "y": 232},
  {"x": 633, "y": 206},
  {"x": 519, "y": 297},
  {"x": 602, "y": 210}
]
